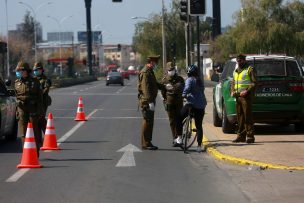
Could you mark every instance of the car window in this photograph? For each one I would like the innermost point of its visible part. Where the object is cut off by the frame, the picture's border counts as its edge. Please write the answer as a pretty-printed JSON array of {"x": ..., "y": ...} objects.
[
  {"x": 3, "y": 90},
  {"x": 269, "y": 67},
  {"x": 228, "y": 70},
  {"x": 114, "y": 74},
  {"x": 292, "y": 68},
  {"x": 275, "y": 68}
]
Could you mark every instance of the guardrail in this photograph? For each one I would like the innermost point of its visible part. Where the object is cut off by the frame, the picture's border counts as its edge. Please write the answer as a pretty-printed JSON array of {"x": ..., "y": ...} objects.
[{"x": 65, "y": 82}]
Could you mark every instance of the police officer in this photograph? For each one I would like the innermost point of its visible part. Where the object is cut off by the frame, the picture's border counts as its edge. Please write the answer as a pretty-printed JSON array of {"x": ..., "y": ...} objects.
[
  {"x": 29, "y": 102},
  {"x": 242, "y": 88},
  {"x": 45, "y": 84},
  {"x": 147, "y": 92},
  {"x": 173, "y": 101}
]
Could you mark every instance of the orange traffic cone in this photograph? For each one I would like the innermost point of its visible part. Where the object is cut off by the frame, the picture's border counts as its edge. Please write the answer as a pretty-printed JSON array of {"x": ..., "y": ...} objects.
[
  {"x": 50, "y": 140},
  {"x": 29, "y": 155},
  {"x": 80, "y": 116}
]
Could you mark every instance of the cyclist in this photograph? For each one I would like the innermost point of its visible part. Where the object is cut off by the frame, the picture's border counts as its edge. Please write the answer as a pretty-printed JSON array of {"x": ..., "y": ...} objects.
[{"x": 196, "y": 101}]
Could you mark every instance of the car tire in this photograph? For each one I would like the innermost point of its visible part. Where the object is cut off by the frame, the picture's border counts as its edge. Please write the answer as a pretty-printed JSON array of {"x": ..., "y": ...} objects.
[
  {"x": 12, "y": 136},
  {"x": 227, "y": 127},
  {"x": 217, "y": 121},
  {"x": 299, "y": 127},
  {"x": 122, "y": 84},
  {"x": 107, "y": 84}
]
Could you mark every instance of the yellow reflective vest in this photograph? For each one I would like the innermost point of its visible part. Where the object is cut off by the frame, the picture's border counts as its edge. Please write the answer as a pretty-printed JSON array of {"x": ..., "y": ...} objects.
[{"x": 242, "y": 79}]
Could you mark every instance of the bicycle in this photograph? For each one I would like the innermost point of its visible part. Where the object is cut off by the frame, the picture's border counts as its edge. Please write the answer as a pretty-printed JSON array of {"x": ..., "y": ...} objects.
[{"x": 189, "y": 132}]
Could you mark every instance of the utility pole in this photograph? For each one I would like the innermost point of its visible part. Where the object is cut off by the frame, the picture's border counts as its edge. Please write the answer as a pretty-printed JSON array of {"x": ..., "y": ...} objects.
[
  {"x": 198, "y": 45},
  {"x": 163, "y": 37},
  {"x": 7, "y": 42},
  {"x": 216, "y": 22},
  {"x": 89, "y": 35}
]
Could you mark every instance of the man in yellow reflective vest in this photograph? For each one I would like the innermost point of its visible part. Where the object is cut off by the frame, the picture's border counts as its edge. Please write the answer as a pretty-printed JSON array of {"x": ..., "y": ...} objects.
[{"x": 242, "y": 88}]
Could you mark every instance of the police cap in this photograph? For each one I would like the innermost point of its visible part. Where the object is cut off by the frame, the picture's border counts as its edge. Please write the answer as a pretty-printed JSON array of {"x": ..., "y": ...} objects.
[
  {"x": 241, "y": 56},
  {"x": 38, "y": 65},
  {"x": 23, "y": 66},
  {"x": 153, "y": 58}
]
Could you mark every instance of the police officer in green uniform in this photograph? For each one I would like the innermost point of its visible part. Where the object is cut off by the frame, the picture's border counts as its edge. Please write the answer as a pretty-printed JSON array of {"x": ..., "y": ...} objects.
[
  {"x": 147, "y": 92},
  {"x": 45, "y": 84},
  {"x": 172, "y": 93},
  {"x": 29, "y": 102},
  {"x": 242, "y": 88}
]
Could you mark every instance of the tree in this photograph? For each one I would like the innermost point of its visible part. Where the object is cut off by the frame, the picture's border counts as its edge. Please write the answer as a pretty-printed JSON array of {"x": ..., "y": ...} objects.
[
  {"x": 264, "y": 26},
  {"x": 28, "y": 28},
  {"x": 148, "y": 35}
]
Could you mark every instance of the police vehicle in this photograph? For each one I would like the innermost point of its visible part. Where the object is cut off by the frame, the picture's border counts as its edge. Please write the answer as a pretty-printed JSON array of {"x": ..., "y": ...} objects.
[
  {"x": 8, "y": 121},
  {"x": 279, "y": 94}
]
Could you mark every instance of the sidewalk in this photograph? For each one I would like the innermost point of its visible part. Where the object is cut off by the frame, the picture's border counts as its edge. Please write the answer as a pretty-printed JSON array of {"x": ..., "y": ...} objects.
[{"x": 275, "y": 146}]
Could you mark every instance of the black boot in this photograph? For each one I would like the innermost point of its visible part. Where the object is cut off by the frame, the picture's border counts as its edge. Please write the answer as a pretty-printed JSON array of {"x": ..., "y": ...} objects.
[{"x": 239, "y": 139}]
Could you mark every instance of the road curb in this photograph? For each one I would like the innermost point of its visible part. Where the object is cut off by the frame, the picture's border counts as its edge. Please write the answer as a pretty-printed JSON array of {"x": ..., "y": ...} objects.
[{"x": 211, "y": 150}]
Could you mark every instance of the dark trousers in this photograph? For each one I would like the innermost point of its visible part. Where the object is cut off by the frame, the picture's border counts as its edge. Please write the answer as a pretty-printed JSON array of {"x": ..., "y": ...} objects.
[
  {"x": 42, "y": 121},
  {"x": 24, "y": 117},
  {"x": 244, "y": 117},
  {"x": 173, "y": 111},
  {"x": 147, "y": 127},
  {"x": 198, "y": 119}
]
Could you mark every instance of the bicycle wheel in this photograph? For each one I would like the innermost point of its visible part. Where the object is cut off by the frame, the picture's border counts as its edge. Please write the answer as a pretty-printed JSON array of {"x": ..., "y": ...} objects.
[
  {"x": 189, "y": 133},
  {"x": 186, "y": 133}
]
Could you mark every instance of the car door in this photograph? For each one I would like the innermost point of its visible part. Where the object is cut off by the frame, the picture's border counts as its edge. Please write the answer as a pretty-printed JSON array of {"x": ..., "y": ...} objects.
[{"x": 8, "y": 110}]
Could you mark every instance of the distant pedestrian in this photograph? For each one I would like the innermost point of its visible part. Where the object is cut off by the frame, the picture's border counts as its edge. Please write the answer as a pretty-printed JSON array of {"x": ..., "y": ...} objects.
[
  {"x": 45, "y": 86},
  {"x": 242, "y": 88},
  {"x": 173, "y": 86},
  {"x": 29, "y": 102},
  {"x": 147, "y": 93}
]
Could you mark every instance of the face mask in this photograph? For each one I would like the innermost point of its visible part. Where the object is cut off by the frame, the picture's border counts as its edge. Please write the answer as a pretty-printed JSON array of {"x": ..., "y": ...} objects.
[
  {"x": 171, "y": 73},
  {"x": 18, "y": 74},
  {"x": 37, "y": 73}
]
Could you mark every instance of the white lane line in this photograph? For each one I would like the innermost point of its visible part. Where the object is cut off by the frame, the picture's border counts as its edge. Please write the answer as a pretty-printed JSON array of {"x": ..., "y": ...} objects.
[
  {"x": 16, "y": 176},
  {"x": 68, "y": 134},
  {"x": 118, "y": 117},
  {"x": 71, "y": 109},
  {"x": 120, "y": 90},
  {"x": 95, "y": 94}
]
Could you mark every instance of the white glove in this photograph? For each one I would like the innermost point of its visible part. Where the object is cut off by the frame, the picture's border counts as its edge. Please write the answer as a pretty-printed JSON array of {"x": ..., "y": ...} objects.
[
  {"x": 151, "y": 106},
  {"x": 169, "y": 87}
]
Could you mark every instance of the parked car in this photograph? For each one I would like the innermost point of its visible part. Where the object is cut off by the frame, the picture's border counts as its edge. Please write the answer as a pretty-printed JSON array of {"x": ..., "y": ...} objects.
[
  {"x": 279, "y": 95},
  {"x": 8, "y": 121},
  {"x": 114, "y": 78},
  {"x": 125, "y": 74}
]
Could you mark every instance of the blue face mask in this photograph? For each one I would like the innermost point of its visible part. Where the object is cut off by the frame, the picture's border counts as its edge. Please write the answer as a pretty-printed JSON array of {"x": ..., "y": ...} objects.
[
  {"x": 37, "y": 73},
  {"x": 18, "y": 74}
]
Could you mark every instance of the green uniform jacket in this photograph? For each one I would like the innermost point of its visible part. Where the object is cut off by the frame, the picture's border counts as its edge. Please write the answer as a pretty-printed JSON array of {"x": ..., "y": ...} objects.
[
  {"x": 29, "y": 95},
  {"x": 174, "y": 95},
  {"x": 147, "y": 87},
  {"x": 45, "y": 85}
]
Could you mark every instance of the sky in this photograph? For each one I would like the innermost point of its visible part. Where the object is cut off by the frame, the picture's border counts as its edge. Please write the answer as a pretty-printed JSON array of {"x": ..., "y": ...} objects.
[{"x": 114, "y": 19}]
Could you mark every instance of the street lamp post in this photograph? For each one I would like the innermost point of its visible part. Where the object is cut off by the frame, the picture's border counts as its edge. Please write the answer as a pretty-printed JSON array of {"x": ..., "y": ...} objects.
[
  {"x": 59, "y": 22},
  {"x": 163, "y": 37},
  {"x": 88, "y": 4},
  {"x": 7, "y": 43},
  {"x": 34, "y": 11}
]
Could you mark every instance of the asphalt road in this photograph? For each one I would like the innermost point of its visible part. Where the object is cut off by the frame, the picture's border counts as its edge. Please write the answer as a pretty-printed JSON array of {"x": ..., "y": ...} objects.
[{"x": 90, "y": 167}]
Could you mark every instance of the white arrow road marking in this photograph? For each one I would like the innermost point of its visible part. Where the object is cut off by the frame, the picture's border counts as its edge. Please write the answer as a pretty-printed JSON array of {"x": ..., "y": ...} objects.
[{"x": 127, "y": 159}]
